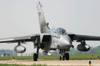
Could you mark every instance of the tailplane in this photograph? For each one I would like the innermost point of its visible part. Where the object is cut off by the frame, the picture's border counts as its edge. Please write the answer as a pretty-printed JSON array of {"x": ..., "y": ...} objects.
[{"x": 43, "y": 25}]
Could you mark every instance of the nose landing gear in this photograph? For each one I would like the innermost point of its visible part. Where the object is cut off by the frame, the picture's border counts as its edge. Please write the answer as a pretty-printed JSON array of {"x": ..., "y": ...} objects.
[{"x": 64, "y": 56}]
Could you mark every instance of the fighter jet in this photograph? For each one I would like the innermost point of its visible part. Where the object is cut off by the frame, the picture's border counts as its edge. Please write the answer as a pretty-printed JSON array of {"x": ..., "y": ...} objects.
[{"x": 51, "y": 39}]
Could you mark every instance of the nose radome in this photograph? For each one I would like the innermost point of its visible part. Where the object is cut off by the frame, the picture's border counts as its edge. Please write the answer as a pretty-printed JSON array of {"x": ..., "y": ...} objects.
[{"x": 66, "y": 42}]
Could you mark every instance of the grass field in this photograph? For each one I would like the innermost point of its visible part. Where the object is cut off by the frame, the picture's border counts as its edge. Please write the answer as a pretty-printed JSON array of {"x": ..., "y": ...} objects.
[{"x": 54, "y": 57}]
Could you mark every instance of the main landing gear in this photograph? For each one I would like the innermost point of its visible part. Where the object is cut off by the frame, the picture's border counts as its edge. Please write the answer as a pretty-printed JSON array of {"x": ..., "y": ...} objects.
[{"x": 36, "y": 55}]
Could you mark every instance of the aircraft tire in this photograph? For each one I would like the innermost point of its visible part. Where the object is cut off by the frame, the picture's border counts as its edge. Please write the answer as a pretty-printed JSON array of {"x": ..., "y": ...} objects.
[
  {"x": 60, "y": 58},
  {"x": 63, "y": 58},
  {"x": 35, "y": 57},
  {"x": 66, "y": 56}
]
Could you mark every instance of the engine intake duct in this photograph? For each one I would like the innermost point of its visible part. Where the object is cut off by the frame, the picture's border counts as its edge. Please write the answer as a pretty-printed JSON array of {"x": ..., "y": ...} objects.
[{"x": 46, "y": 39}]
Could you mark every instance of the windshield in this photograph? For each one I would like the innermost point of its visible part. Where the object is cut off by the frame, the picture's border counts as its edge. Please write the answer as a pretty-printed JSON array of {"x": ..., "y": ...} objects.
[{"x": 61, "y": 31}]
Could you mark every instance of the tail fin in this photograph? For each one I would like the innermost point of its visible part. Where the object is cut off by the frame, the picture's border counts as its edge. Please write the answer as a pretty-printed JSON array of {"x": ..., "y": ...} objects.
[{"x": 43, "y": 25}]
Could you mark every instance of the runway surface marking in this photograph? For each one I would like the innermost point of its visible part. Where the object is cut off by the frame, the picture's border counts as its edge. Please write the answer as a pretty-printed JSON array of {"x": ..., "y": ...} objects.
[{"x": 54, "y": 62}]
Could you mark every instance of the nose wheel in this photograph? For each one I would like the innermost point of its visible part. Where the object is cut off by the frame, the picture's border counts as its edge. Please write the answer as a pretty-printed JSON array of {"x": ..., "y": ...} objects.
[
  {"x": 60, "y": 57},
  {"x": 66, "y": 56}
]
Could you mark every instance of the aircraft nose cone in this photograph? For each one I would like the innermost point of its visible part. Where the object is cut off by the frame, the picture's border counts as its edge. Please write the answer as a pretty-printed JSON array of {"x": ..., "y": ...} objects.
[{"x": 66, "y": 42}]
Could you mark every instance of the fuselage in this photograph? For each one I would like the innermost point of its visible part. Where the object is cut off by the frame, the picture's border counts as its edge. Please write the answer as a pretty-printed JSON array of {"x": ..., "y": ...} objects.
[{"x": 61, "y": 41}]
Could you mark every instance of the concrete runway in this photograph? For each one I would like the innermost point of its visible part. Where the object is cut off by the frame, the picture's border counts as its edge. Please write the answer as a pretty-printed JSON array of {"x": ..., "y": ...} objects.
[{"x": 54, "y": 62}]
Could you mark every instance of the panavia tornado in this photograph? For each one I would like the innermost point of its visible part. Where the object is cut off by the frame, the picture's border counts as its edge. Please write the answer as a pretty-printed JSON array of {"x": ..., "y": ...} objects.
[{"x": 51, "y": 39}]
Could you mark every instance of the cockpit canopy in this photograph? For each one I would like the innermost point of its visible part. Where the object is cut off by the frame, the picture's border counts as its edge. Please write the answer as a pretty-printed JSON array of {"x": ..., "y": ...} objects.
[{"x": 61, "y": 31}]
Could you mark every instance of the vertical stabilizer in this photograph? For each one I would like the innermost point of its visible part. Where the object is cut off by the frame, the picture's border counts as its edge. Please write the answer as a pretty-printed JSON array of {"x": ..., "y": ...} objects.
[{"x": 43, "y": 25}]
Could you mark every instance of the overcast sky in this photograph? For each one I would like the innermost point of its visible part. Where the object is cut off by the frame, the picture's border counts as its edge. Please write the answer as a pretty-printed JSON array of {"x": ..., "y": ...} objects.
[{"x": 19, "y": 18}]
